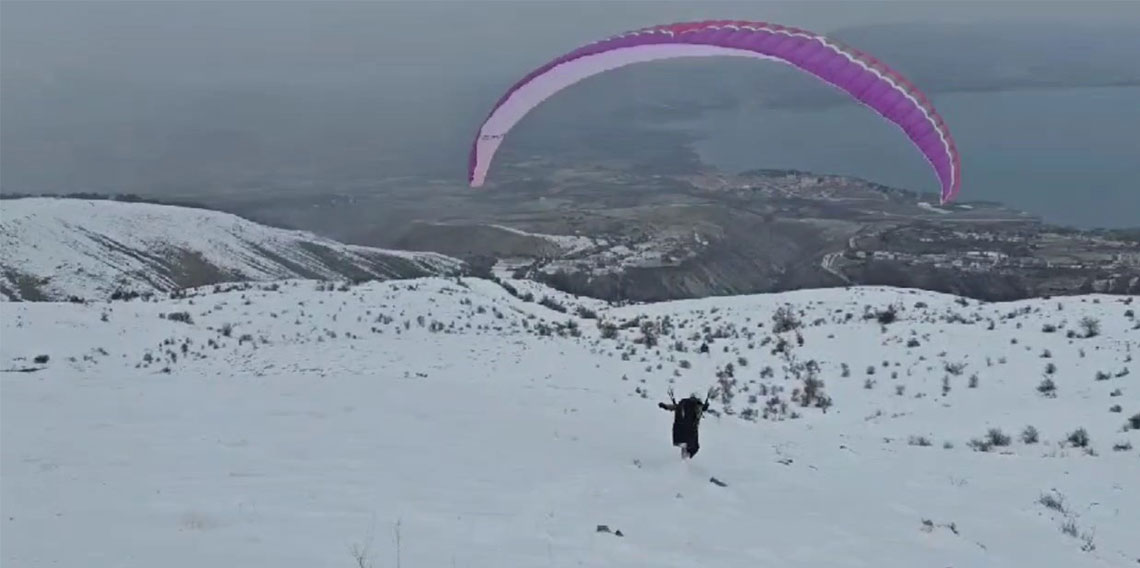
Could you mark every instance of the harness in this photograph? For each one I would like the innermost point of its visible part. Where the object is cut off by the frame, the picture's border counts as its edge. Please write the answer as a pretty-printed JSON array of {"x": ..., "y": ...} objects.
[{"x": 690, "y": 404}]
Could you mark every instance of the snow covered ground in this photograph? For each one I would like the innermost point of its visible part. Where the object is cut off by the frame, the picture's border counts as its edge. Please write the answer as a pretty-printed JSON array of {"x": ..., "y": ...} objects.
[
  {"x": 569, "y": 244},
  {"x": 446, "y": 423},
  {"x": 604, "y": 256},
  {"x": 91, "y": 248}
]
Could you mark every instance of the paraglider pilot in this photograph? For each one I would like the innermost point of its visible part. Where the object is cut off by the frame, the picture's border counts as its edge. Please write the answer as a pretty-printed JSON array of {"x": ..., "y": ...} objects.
[{"x": 686, "y": 421}]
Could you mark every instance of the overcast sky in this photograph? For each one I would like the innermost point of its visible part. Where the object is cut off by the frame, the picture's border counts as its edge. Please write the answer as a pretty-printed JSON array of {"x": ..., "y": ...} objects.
[
  {"x": 134, "y": 94},
  {"x": 212, "y": 40}
]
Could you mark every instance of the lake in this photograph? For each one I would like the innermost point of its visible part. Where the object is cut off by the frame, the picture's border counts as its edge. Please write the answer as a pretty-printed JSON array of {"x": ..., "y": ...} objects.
[{"x": 1071, "y": 156}]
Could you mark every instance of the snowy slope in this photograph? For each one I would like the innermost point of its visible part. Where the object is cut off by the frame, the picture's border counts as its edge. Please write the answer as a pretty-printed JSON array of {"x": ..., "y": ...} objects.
[
  {"x": 568, "y": 244},
  {"x": 449, "y": 423},
  {"x": 55, "y": 248}
]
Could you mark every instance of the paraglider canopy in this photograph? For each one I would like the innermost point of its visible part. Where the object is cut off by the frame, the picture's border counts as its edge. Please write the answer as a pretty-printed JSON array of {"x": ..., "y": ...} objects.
[{"x": 866, "y": 79}]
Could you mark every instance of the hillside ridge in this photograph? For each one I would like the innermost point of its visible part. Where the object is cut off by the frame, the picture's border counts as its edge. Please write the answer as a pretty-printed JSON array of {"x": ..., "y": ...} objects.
[{"x": 68, "y": 248}]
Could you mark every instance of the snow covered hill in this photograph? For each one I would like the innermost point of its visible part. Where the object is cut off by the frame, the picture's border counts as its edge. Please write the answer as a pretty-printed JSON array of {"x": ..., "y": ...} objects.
[
  {"x": 445, "y": 422},
  {"x": 52, "y": 249}
]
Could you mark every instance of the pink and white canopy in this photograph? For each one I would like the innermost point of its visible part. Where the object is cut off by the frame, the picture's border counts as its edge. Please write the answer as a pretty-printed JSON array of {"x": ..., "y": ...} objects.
[{"x": 865, "y": 78}]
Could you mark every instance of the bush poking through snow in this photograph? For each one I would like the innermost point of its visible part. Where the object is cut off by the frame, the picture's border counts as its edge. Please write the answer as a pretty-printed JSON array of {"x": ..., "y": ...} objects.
[
  {"x": 360, "y": 555},
  {"x": 993, "y": 438},
  {"x": 586, "y": 313},
  {"x": 785, "y": 320},
  {"x": 888, "y": 316},
  {"x": 608, "y": 329},
  {"x": 997, "y": 438},
  {"x": 1134, "y": 421},
  {"x": 1054, "y": 501},
  {"x": 1048, "y": 388},
  {"x": 1029, "y": 435},
  {"x": 1079, "y": 438},
  {"x": 182, "y": 317},
  {"x": 1090, "y": 327},
  {"x": 813, "y": 392},
  {"x": 553, "y": 304}
]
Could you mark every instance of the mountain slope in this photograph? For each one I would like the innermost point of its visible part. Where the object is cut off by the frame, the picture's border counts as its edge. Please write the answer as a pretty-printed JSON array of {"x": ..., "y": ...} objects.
[
  {"x": 52, "y": 249},
  {"x": 451, "y": 423},
  {"x": 611, "y": 232}
]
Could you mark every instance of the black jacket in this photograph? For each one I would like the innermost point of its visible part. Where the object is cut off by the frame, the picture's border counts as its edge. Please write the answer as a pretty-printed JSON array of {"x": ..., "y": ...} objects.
[{"x": 686, "y": 419}]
